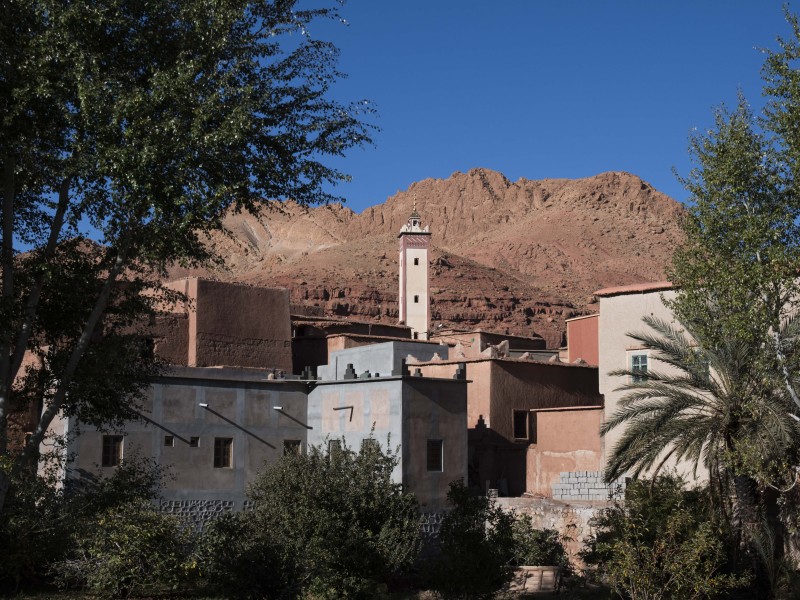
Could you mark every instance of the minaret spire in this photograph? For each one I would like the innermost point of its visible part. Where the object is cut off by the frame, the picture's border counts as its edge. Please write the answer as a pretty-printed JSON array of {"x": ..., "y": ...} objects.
[{"x": 414, "y": 297}]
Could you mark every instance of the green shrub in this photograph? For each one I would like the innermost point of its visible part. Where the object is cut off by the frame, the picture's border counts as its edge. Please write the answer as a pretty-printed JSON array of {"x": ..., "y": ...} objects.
[
  {"x": 128, "y": 549},
  {"x": 537, "y": 546},
  {"x": 334, "y": 525},
  {"x": 34, "y": 530},
  {"x": 662, "y": 542},
  {"x": 237, "y": 560},
  {"x": 477, "y": 547}
]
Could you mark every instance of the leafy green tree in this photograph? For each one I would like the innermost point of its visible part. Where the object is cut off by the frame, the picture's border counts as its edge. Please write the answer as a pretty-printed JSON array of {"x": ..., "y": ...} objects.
[
  {"x": 129, "y": 549},
  {"x": 661, "y": 542},
  {"x": 736, "y": 273},
  {"x": 336, "y": 523},
  {"x": 43, "y": 521},
  {"x": 139, "y": 125},
  {"x": 477, "y": 547}
]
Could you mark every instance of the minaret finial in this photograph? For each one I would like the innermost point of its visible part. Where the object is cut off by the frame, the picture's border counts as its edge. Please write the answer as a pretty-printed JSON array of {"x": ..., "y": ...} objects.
[{"x": 415, "y": 201}]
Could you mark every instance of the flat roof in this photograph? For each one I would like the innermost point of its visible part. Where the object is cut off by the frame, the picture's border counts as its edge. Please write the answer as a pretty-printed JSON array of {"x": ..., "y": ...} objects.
[
  {"x": 381, "y": 338},
  {"x": 634, "y": 288},
  {"x": 567, "y": 408},
  {"x": 516, "y": 361},
  {"x": 452, "y": 331},
  {"x": 593, "y": 315}
]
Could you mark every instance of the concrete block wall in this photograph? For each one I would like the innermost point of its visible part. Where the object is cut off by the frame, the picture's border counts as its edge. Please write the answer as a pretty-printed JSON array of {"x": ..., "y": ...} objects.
[{"x": 585, "y": 485}]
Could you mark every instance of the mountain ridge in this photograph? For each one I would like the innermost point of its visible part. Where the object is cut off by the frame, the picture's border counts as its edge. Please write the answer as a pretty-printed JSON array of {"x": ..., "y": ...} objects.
[{"x": 517, "y": 256}]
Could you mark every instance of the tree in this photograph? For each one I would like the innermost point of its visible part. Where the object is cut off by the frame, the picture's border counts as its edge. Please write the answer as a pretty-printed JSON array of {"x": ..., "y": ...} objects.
[
  {"x": 737, "y": 272},
  {"x": 661, "y": 542},
  {"x": 139, "y": 125},
  {"x": 477, "y": 547},
  {"x": 335, "y": 524},
  {"x": 711, "y": 406}
]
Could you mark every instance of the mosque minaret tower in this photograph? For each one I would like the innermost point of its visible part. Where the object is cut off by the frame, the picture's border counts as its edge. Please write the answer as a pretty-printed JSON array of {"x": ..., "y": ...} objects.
[{"x": 415, "y": 306}]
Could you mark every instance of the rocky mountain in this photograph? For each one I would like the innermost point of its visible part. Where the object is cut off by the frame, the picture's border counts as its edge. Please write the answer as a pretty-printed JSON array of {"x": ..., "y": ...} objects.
[{"x": 518, "y": 256}]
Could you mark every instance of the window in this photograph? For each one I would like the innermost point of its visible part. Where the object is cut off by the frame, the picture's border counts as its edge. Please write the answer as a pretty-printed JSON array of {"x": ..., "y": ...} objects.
[
  {"x": 434, "y": 455},
  {"x": 416, "y": 261},
  {"x": 638, "y": 367},
  {"x": 112, "y": 450},
  {"x": 169, "y": 441},
  {"x": 520, "y": 424},
  {"x": 291, "y": 447},
  {"x": 194, "y": 442},
  {"x": 223, "y": 453},
  {"x": 334, "y": 446},
  {"x": 416, "y": 299},
  {"x": 370, "y": 445}
]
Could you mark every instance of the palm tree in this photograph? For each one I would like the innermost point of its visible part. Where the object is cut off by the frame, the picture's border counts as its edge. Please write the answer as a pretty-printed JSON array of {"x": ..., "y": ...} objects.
[{"x": 720, "y": 407}]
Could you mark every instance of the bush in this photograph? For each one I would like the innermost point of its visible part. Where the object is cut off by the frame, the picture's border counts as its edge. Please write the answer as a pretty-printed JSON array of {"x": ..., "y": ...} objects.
[
  {"x": 330, "y": 525},
  {"x": 128, "y": 549},
  {"x": 537, "y": 546},
  {"x": 477, "y": 547},
  {"x": 237, "y": 560},
  {"x": 34, "y": 530},
  {"x": 663, "y": 542}
]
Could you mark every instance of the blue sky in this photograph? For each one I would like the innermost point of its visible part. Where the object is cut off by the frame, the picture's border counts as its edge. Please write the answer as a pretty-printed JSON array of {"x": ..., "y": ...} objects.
[{"x": 541, "y": 89}]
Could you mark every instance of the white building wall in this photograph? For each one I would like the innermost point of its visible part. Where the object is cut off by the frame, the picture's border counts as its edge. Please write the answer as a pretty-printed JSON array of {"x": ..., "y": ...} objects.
[{"x": 620, "y": 315}]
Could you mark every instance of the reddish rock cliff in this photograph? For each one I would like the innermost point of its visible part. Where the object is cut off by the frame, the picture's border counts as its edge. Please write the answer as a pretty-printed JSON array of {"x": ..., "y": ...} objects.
[{"x": 519, "y": 256}]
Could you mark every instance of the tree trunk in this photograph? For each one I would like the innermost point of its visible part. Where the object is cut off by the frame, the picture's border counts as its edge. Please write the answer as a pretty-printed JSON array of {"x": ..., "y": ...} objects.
[{"x": 745, "y": 518}]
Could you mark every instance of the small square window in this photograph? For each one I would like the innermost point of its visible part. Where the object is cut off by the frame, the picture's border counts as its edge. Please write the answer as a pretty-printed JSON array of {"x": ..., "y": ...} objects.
[
  {"x": 416, "y": 261},
  {"x": 638, "y": 367},
  {"x": 435, "y": 455},
  {"x": 223, "y": 453},
  {"x": 416, "y": 299},
  {"x": 370, "y": 445},
  {"x": 521, "y": 424},
  {"x": 291, "y": 447},
  {"x": 112, "y": 450},
  {"x": 334, "y": 446},
  {"x": 169, "y": 441},
  {"x": 194, "y": 442}
]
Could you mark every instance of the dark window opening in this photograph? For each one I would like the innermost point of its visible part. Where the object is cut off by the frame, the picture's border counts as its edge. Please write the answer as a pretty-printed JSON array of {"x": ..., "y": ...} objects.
[
  {"x": 112, "y": 450},
  {"x": 521, "y": 424},
  {"x": 416, "y": 261},
  {"x": 416, "y": 299},
  {"x": 370, "y": 445},
  {"x": 334, "y": 446},
  {"x": 291, "y": 447},
  {"x": 434, "y": 459},
  {"x": 194, "y": 442},
  {"x": 169, "y": 440},
  {"x": 223, "y": 453}
]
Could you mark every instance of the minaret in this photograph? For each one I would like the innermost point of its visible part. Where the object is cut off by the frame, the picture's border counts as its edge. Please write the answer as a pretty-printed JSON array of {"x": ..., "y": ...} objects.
[{"x": 415, "y": 308}]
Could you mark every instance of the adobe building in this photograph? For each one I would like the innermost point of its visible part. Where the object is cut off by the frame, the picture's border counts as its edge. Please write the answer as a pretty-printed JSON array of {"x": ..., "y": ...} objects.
[
  {"x": 315, "y": 337},
  {"x": 528, "y": 421},
  {"x": 367, "y": 393},
  {"x": 215, "y": 428},
  {"x": 621, "y": 311},
  {"x": 217, "y": 323},
  {"x": 582, "y": 342}
]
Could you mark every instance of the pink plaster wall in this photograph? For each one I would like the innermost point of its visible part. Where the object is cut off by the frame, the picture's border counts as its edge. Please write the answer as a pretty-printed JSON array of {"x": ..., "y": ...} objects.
[
  {"x": 566, "y": 440},
  {"x": 582, "y": 340}
]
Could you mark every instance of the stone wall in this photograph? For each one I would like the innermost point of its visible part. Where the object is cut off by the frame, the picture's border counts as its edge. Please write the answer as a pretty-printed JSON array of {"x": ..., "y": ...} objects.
[
  {"x": 585, "y": 486},
  {"x": 571, "y": 520}
]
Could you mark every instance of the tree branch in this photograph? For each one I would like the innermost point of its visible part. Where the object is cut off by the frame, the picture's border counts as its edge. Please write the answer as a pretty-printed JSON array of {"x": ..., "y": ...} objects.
[
  {"x": 21, "y": 343},
  {"x": 7, "y": 297},
  {"x": 68, "y": 373}
]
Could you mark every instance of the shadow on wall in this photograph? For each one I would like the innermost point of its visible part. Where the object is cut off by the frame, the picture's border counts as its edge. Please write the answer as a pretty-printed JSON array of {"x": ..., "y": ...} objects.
[{"x": 495, "y": 463}]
